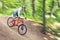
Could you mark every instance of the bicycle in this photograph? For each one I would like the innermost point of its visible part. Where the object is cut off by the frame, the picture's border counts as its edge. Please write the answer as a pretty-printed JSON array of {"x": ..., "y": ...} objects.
[{"x": 22, "y": 29}]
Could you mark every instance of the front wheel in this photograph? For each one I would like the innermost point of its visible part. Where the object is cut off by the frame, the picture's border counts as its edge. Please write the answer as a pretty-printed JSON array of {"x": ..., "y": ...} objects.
[{"x": 22, "y": 29}]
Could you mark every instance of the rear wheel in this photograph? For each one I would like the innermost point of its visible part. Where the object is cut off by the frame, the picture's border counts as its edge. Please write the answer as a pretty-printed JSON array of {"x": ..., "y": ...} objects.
[
  {"x": 9, "y": 22},
  {"x": 22, "y": 29}
]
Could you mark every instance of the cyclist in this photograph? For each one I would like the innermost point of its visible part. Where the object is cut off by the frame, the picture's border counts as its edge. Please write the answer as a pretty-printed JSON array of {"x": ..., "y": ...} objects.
[{"x": 17, "y": 11}]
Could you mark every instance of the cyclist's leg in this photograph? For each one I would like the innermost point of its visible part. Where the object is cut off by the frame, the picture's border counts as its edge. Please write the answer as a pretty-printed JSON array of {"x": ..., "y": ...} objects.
[
  {"x": 17, "y": 14},
  {"x": 14, "y": 15}
]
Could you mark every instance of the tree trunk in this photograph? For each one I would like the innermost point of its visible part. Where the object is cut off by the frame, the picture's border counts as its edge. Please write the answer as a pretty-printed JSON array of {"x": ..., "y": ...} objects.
[
  {"x": 33, "y": 7},
  {"x": 51, "y": 12},
  {"x": 0, "y": 5},
  {"x": 23, "y": 6},
  {"x": 44, "y": 19},
  {"x": 51, "y": 9},
  {"x": 58, "y": 3}
]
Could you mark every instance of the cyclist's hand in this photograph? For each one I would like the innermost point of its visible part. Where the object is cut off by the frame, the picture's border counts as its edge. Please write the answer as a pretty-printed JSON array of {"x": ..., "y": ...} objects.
[{"x": 24, "y": 18}]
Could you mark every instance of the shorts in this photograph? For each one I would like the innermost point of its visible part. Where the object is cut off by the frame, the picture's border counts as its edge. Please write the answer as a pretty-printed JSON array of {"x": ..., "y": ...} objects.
[{"x": 15, "y": 14}]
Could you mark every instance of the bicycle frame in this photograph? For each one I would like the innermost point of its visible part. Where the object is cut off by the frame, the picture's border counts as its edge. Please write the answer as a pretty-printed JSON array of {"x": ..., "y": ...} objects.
[{"x": 17, "y": 21}]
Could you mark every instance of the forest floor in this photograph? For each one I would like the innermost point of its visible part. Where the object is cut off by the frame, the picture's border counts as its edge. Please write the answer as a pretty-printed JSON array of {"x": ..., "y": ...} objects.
[{"x": 33, "y": 31}]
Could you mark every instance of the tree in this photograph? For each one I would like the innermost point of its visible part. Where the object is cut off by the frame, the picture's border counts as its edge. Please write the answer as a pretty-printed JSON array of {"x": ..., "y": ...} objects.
[
  {"x": 44, "y": 19},
  {"x": 0, "y": 5},
  {"x": 58, "y": 3},
  {"x": 24, "y": 7},
  {"x": 51, "y": 8},
  {"x": 33, "y": 7}
]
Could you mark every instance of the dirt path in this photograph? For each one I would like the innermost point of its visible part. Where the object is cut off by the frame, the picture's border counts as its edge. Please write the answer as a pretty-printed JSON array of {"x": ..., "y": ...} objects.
[{"x": 33, "y": 32}]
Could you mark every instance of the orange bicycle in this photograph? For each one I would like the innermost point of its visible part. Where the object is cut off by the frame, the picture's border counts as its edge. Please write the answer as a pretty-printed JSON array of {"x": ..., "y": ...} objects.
[{"x": 22, "y": 29}]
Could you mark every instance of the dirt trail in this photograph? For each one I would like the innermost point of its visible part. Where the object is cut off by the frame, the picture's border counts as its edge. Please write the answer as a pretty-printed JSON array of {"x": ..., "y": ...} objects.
[{"x": 33, "y": 32}]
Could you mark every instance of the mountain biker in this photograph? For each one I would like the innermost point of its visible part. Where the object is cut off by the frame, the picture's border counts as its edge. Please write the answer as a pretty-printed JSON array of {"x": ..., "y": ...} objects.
[{"x": 17, "y": 13}]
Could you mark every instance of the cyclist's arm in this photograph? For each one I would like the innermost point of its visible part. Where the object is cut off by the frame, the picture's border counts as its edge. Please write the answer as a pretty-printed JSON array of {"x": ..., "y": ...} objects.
[{"x": 24, "y": 15}]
